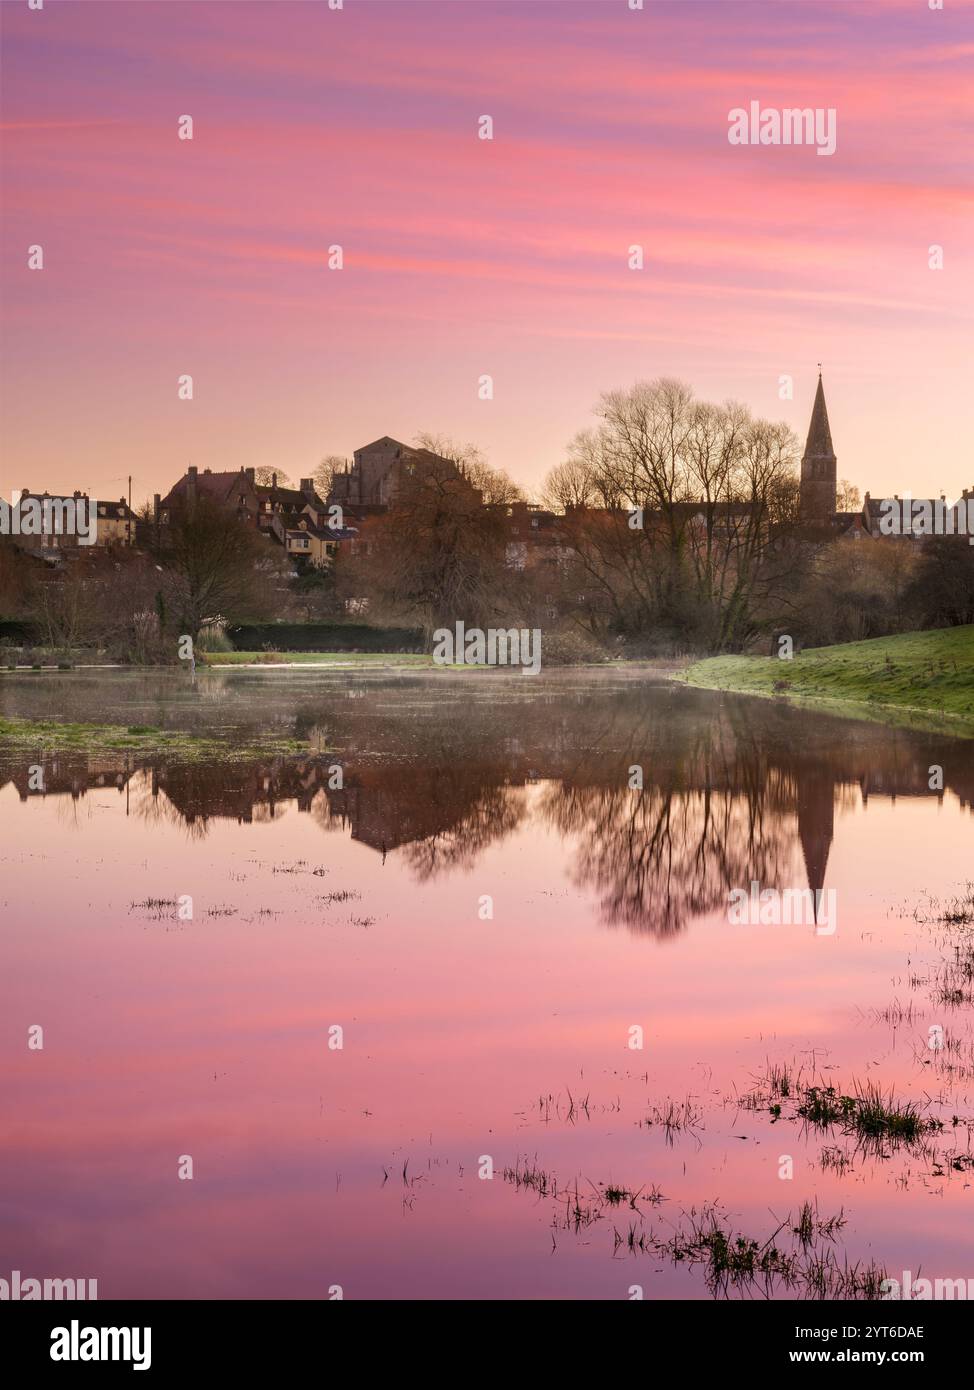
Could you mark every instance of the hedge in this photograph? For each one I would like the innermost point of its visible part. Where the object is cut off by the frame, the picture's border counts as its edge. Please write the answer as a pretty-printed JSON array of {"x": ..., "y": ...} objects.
[{"x": 324, "y": 637}]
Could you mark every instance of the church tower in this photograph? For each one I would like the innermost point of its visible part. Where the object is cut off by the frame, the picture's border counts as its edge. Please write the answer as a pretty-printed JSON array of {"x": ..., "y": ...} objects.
[{"x": 818, "y": 488}]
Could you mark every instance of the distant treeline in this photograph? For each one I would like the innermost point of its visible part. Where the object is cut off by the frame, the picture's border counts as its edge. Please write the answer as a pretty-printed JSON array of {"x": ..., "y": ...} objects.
[{"x": 324, "y": 637}]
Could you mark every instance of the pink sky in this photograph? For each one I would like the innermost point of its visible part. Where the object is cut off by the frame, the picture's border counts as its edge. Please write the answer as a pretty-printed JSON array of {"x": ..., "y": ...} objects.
[{"x": 463, "y": 256}]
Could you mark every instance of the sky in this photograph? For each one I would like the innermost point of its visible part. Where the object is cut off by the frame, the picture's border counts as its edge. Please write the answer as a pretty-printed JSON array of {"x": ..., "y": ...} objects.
[{"x": 465, "y": 257}]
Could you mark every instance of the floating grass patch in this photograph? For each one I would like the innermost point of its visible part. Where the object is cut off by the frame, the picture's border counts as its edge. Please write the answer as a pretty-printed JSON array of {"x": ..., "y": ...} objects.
[
  {"x": 824, "y": 1106},
  {"x": 529, "y": 1174},
  {"x": 615, "y": 1196},
  {"x": 960, "y": 912},
  {"x": 878, "y": 1115},
  {"x": 810, "y": 1227},
  {"x": 674, "y": 1115},
  {"x": 833, "y": 1159},
  {"x": 581, "y": 1203},
  {"x": 804, "y": 1262},
  {"x": 869, "y": 1113},
  {"x": 50, "y": 735},
  {"x": 157, "y": 909}
]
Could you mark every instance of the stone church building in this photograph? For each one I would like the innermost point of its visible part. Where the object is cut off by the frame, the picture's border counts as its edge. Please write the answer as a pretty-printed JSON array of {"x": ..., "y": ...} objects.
[{"x": 818, "y": 495}]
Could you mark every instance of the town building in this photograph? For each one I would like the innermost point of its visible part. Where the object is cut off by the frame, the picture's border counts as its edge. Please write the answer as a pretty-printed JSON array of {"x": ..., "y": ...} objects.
[
  {"x": 379, "y": 471},
  {"x": 255, "y": 503},
  {"x": 818, "y": 495},
  {"x": 69, "y": 522},
  {"x": 318, "y": 545}
]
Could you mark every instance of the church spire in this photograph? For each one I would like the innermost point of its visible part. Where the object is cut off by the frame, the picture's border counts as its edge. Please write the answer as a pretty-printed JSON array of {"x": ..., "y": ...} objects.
[
  {"x": 819, "y": 441},
  {"x": 818, "y": 478}
]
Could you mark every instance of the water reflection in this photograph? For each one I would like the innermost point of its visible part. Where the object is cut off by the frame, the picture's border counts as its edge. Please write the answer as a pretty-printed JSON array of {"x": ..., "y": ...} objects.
[{"x": 749, "y": 792}]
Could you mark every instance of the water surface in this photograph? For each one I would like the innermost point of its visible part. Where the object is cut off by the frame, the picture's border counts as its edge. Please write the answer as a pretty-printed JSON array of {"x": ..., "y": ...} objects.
[{"x": 459, "y": 875}]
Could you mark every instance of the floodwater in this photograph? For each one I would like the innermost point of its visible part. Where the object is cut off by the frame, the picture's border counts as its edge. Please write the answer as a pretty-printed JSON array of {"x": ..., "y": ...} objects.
[{"x": 532, "y": 968}]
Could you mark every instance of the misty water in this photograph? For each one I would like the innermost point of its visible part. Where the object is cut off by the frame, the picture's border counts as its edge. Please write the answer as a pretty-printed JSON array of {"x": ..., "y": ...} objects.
[{"x": 555, "y": 1044}]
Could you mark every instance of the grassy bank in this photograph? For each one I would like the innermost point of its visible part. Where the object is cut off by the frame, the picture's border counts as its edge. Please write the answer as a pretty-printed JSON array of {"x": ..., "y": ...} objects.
[{"x": 931, "y": 673}]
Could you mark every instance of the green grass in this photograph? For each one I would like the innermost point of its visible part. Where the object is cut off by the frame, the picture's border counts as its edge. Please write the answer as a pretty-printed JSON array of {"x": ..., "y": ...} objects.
[
  {"x": 927, "y": 672},
  {"x": 316, "y": 659},
  {"x": 51, "y": 735}
]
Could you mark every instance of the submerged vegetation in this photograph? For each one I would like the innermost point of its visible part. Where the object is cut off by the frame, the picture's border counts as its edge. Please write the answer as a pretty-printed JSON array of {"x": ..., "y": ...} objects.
[
  {"x": 798, "y": 1257},
  {"x": 52, "y": 734},
  {"x": 803, "y": 1264},
  {"x": 868, "y": 1113}
]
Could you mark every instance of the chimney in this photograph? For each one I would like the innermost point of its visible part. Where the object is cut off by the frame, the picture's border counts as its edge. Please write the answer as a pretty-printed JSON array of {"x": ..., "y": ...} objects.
[
  {"x": 249, "y": 475},
  {"x": 273, "y": 480},
  {"x": 191, "y": 471},
  {"x": 308, "y": 487},
  {"x": 156, "y": 503}
]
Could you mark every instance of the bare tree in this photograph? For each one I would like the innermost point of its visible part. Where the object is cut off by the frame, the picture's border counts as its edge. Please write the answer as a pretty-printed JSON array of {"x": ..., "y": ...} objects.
[
  {"x": 266, "y": 477},
  {"x": 696, "y": 500},
  {"x": 70, "y": 609},
  {"x": 437, "y": 556},
  {"x": 325, "y": 472},
  {"x": 495, "y": 487},
  {"x": 847, "y": 497},
  {"x": 214, "y": 567}
]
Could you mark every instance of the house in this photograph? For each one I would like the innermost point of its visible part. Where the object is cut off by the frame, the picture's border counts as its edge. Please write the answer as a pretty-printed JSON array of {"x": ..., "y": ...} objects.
[
  {"x": 116, "y": 523},
  {"x": 235, "y": 491},
  {"x": 50, "y": 523},
  {"x": 317, "y": 544},
  {"x": 270, "y": 508},
  {"x": 289, "y": 502},
  {"x": 534, "y": 536}
]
